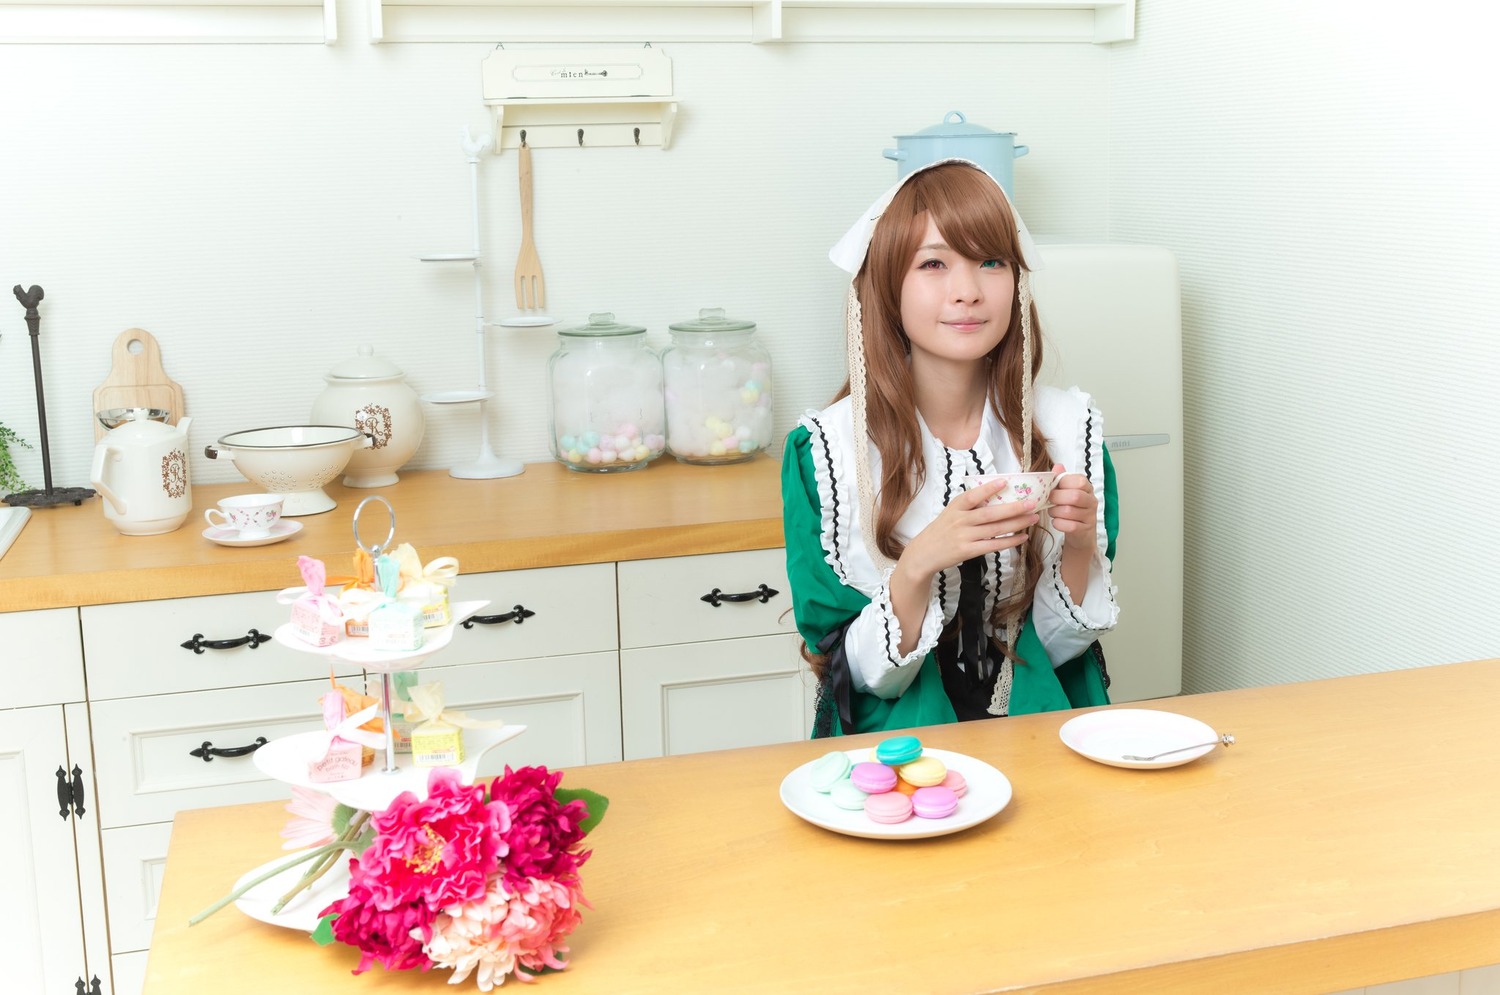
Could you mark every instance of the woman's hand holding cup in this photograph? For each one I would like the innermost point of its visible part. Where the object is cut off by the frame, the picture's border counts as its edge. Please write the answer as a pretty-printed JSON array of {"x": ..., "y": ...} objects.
[{"x": 1074, "y": 509}]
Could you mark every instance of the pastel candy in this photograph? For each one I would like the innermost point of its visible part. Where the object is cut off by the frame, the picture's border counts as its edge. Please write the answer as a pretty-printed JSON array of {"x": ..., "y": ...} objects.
[
  {"x": 846, "y": 795},
  {"x": 828, "y": 770},
  {"x": 873, "y": 778},
  {"x": 898, "y": 750},
  {"x": 954, "y": 782},
  {"x": 924, "y": 772},
  {"x": 888, "y": 808},
  {"x": 934, "y": 803}
]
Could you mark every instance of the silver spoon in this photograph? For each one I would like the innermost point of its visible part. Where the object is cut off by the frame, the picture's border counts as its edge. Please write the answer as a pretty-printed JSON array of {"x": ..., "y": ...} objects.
[{"x": 1226, "y": 739}]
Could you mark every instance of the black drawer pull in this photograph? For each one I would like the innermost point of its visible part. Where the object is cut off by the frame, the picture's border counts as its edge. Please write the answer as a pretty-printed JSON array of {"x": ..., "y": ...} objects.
[
  {"x": 77, "y": 790},
  {"x": 517, "y": 615},
  {"x": 253, "y": 639},
  {"x": 208, "y": 751},
  {"x": 762, "y": 594}
]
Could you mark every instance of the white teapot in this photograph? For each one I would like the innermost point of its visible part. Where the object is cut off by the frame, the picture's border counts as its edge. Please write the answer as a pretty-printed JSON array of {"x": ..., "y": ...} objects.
[{"x": 141, "y": 471}]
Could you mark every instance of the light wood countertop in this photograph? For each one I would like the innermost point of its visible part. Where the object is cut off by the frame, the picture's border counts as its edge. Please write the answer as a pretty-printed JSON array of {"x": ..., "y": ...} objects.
[
  {"x": 1350, "y": 837},
  {"x": 547, "y": 516}
]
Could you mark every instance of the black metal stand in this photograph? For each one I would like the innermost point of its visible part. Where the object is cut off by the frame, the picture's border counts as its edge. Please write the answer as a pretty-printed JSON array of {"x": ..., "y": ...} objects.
[{"x": 49, "y": 496}]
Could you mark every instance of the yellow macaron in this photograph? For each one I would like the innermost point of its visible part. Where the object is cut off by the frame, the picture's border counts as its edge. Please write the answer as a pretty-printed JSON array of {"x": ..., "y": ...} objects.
[{"x": 924, "y": 772}]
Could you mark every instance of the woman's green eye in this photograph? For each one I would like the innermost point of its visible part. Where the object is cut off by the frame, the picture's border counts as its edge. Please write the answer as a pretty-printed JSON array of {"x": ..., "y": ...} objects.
[{"x": 992, "y": 263}]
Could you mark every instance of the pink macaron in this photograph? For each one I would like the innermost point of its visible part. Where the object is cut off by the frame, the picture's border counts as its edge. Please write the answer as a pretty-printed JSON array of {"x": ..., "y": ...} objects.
[
  {"x": 889, "y": 807},
  {"x": 936, "y": 802},
  {"x": 873, "y": 778},
  {"x": 955, "y": 783}
]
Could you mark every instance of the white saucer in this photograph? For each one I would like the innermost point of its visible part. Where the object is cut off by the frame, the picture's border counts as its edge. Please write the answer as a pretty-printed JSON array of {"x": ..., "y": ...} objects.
[
  {"x": 283, "y": 529},
  {"x": 1110, "y": 734},
  {"x": 527, "y": 321}
]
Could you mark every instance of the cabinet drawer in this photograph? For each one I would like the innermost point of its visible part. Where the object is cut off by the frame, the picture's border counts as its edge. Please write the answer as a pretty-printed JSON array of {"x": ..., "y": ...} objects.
[
  {"x": 134, "y": 859},
  {"x": 144, "y": 768},
  {"x": 136, "y": 649},
  {"x": 574, "y": 613},
  {"x": 661, "y": 601},
  {"x": 44, "y": 646},
  {"x": 570, "y": 706},
  {"x": 714, "y": 696}
]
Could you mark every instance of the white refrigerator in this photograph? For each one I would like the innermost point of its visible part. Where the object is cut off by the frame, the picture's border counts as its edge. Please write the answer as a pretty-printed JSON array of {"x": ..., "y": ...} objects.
[{"x": 1112, "y": 320}]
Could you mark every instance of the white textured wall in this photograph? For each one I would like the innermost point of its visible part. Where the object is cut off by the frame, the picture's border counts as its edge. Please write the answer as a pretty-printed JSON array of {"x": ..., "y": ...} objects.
[
  {"x": 259, "y": 208},
  {"x": 1326, "y": 174}
]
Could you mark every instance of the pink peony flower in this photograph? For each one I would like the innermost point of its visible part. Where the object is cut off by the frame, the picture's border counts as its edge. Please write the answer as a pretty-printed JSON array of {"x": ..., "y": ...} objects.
[
  {"x": 506, "y": 932},
  {"x": 439, "y": 851},
  {"x": 391, "y": 937},
  {"x": 542, "y": 833},
  {"x": 313, "y": 822}
]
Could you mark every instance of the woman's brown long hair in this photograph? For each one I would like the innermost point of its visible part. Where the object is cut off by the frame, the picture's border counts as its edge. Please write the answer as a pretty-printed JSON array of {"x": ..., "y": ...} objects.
[{"x": 976, "y": 221}]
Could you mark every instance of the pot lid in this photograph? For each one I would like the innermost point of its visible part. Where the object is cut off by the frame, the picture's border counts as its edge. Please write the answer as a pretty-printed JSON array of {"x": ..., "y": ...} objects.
[
  {"x": 712, "y": 319},
  {"x": 602, "y": 323},
  {"x": 954, "y": 125},
  {"x": 364, "y": 366}
]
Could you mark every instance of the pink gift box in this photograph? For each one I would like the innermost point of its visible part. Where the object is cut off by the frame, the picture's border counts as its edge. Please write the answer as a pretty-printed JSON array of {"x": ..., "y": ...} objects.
[
  {"x": 311, "y": 623},
  {"x": 342, "y": 763}
]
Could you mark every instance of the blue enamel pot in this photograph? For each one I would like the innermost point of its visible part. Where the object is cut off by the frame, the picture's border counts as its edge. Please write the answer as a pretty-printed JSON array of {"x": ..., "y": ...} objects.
[{"x": 995, "y": 151}]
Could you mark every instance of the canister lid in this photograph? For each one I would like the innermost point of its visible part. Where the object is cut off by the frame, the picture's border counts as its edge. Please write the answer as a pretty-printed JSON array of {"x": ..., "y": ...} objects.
[
  {"x": 712, "y": 319},
  {"x": 602, "y": 323},
  {"x": 365, "y": 366},
  {"x": 955, "y": 125}
]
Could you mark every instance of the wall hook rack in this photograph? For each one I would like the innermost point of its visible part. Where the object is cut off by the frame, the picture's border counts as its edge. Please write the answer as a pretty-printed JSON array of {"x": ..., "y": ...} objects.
[{"x": 579, "y": 98}]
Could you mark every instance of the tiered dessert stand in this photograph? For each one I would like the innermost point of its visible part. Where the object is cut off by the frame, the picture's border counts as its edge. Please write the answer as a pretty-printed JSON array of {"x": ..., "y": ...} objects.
[{"x": 286, "y": 758}]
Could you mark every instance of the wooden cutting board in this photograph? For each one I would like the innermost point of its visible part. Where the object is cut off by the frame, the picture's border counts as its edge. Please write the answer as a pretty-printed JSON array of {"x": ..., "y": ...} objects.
[{"x": 136, "y": 380}]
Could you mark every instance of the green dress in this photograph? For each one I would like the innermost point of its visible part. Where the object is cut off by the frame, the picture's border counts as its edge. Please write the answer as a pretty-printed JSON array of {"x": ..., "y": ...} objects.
[{"x": 823, "y": 604}]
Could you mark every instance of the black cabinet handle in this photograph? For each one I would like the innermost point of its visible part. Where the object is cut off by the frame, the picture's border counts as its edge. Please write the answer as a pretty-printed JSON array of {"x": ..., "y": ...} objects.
[
  {"x": 517, "y": 615},
  {"x": 208, "y": 751},
  {"x": 253, "y": 639},
  {"x": 762, "y": 594},
  {"x": 77, "y": 789},
  {"x": 69, "y": 792},
  {"x": 64, "y": 793}
]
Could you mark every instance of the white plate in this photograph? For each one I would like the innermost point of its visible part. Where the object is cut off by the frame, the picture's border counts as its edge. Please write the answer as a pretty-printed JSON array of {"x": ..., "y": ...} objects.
[
  {"x": 1110, "y": 734},
  {"x": 286, "y": 758},
  {"x": 301, "y": 913},
  {"x": 989, "y": 792},
  {"x": 527, "y": 321},
  {"x": 283, "y": 529},
  {"x": 458, "y": 396},
  {"x": 358, "y": 649}
]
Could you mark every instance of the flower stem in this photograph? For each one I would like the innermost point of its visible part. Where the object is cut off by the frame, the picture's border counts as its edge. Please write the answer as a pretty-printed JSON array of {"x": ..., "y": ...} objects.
[
  {"x": 301, "y": 858},
  {"x": 324, "y": 863}
]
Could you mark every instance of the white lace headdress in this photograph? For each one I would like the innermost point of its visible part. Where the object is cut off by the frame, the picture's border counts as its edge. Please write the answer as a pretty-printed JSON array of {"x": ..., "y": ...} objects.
[{"x": 849, "y": 255}]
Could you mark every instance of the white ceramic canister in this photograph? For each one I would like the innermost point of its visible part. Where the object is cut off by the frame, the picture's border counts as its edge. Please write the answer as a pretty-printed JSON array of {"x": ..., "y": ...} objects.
[
  {"x": 141, "y": 470},
  {"x": 372, "y": 395},
  {"x": 718, "y": 390}
]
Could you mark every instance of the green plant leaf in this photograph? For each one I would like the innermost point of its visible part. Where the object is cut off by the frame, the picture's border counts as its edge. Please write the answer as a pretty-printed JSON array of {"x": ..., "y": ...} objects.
[
  {"x": 341, "y": 817},
  {"x": 596, "y": 803},
  {"x": 323, "y": 935}
]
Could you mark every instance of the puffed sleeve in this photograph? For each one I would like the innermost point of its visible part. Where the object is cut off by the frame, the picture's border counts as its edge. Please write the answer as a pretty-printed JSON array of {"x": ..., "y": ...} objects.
[
  {"x": 829, "y": 612},
  {"x": 1066, "y": 626}
]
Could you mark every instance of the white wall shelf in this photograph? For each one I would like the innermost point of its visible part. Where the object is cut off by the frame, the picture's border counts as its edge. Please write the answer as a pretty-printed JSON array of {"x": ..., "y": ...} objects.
[
  {"x": 157, "y": 21},
  {"x": 756, "y": 21}
]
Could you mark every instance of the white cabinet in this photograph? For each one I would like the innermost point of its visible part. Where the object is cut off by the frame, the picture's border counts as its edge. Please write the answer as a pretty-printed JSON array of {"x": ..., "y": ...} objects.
[
  {"x": 709, "y": 655},
  {"x": 50, "y": 876}
]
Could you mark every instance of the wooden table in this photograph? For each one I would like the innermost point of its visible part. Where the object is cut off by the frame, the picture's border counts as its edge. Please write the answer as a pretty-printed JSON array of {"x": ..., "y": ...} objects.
[
  {"x": 1351, "y": 836},
  {"x": 548, "y": 516}
]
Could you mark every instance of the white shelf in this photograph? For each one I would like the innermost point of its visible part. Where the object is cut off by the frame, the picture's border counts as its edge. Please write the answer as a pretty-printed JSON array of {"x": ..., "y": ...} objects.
[
  {"x": 756, "y": 21},
  {"x": 156, "y": 21}
]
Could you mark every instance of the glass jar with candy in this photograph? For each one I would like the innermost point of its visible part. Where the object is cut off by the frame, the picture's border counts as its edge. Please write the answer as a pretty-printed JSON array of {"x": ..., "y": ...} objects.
[
  {"x": 718, "y": 390},
  {"x": 606, "y": 397}
]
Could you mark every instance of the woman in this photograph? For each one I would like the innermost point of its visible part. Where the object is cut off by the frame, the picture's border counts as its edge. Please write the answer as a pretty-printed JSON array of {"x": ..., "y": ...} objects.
[{"x": 921, "y": 602}]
